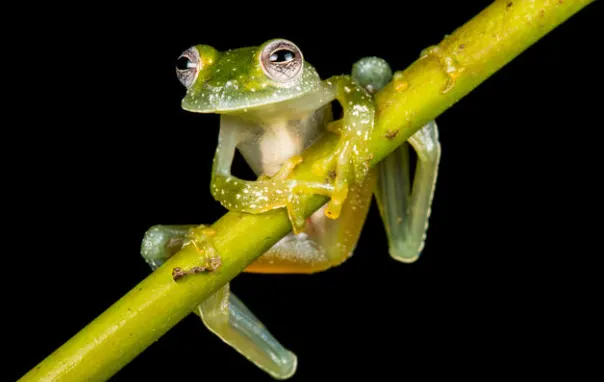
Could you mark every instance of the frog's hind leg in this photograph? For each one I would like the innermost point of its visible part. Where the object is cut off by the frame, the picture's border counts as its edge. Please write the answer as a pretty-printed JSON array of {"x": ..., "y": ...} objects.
[
  {"x": 227, "y": 317},
  {"x": 223, "y": 313},
  {"x": 325, "y": 242},
  {"x": 405, "y": 206}
]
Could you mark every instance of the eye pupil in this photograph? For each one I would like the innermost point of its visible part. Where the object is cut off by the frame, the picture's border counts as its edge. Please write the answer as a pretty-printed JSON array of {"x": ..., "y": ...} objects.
[
  {"x": 282, "y": 55},
  {"x": 281, "y": 61},
  {"x": 184, "y": 63},
  {"x": 188, "y": 66}
]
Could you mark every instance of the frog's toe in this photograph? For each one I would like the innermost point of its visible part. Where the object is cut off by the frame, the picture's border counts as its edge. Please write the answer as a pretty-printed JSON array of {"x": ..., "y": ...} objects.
[
  {"x": 200, "y": 238},
  {"x": 295, "y": 211},
  {"x": 288, "y": 167},
  {"x": 334, "y": 207},
  {"x": 288, "y": 368},
  {"x": 352, "y": 167}
]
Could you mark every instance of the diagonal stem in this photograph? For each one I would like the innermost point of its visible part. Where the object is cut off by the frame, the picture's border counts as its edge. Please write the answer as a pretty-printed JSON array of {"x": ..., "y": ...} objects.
[{"x": 433, "y": 83}]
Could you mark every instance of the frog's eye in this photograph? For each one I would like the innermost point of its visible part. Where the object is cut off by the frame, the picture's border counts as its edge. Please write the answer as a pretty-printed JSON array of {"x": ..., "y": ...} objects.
[
  {"x": 187, "y": 67},
  {"x": 281, "y": 60}
]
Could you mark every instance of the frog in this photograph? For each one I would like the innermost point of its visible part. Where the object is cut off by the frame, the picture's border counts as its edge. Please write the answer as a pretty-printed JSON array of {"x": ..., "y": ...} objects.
[{"x": 273, "y": 105}]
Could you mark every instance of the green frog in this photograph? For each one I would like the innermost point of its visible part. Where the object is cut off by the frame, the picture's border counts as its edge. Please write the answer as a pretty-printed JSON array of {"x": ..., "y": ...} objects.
[{"x": 273, "y": 105}]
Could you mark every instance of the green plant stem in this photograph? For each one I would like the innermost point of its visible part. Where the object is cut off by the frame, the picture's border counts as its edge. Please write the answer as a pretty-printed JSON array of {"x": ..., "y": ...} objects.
[{"x": 472, "y": 53}]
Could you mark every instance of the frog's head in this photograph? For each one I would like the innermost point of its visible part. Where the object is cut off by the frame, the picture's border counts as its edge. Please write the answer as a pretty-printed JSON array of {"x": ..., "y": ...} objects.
[{"x": 235, "y": 80}]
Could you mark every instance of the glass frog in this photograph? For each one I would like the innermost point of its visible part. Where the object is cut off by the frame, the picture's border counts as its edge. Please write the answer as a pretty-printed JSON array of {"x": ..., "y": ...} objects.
[{"x": 272, "y": 106}]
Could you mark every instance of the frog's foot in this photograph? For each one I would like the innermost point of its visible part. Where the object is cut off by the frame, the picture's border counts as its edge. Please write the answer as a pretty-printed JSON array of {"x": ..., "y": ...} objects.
[
  {"x": 162, "y": 241},
  {"x": 200, "y": 237},
  {"x": 447, "y": 63},
  {"x": 295, "y": 206},
  {"x": 349, "y": 163}
]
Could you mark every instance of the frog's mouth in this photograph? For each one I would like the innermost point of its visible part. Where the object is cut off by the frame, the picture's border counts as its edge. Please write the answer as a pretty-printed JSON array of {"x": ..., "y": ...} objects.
[
  {"x": 205, "y": 100},
  {"x": 266, "y": 103},
  {"x": 208, "y": 102},
  {"x": 222, "y": 101},
  {"x": 230, "y": 96}
]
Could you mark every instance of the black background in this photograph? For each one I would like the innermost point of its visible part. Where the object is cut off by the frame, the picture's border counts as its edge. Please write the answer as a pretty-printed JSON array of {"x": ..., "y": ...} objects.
[{"x": 101, "y": 143}]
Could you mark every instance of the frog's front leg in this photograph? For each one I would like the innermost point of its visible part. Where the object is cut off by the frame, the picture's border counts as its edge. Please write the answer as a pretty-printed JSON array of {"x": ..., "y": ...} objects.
[
  {"x": 325, "y": 242},
  {"x": 261, "y": 195},
  {"x": 351, "y": 157},
  {"x": 405, "y": 206},
  {"x": 223, "y": 313}
]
